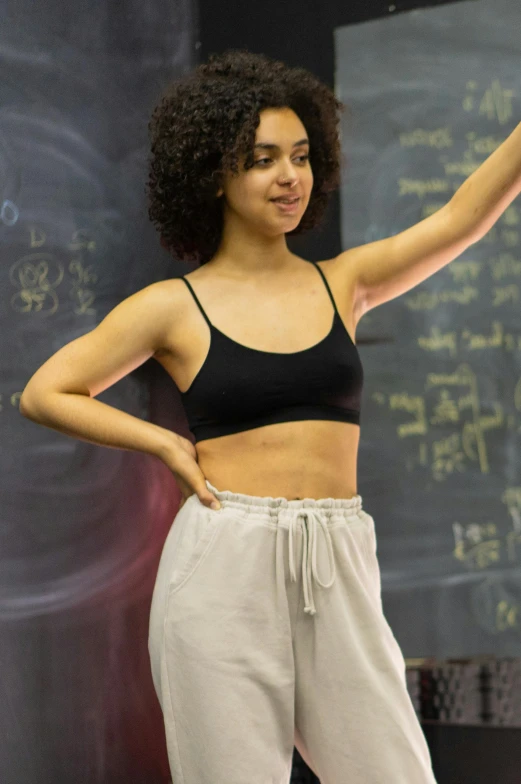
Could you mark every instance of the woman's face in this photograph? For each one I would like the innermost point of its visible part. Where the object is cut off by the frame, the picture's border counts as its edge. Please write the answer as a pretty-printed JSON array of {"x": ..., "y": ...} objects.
[{"x": 278, "y": 170}]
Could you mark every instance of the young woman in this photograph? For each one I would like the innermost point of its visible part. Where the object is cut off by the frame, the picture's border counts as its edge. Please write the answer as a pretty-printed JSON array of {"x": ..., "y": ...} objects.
[{"x": 266, "y": 625}]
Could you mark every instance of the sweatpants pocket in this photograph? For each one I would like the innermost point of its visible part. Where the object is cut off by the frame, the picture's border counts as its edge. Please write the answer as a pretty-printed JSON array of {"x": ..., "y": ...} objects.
[{"x": 197, "y": 530}]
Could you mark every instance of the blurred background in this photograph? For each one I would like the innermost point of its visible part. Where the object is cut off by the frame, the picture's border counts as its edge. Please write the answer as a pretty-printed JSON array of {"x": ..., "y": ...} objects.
[{"x": 432, "y": 89}]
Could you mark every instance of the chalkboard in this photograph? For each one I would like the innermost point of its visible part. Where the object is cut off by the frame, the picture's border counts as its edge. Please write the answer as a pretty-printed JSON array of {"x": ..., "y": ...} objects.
[
  {"x": 431, "y": 94},
  {"x": 81, "y": 526}
]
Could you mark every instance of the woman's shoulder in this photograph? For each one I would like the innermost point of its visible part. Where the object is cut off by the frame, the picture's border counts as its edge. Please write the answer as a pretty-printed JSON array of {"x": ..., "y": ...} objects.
[{"x": 168, "y": 296}]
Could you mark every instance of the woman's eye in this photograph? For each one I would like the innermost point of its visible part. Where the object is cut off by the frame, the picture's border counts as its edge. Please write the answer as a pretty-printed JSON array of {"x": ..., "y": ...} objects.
[{"x": 300, "y": 157}]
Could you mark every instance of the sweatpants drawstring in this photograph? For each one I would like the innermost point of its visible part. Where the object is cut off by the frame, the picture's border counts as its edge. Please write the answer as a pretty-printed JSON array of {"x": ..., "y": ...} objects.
[{"x": 309, "y": 554}]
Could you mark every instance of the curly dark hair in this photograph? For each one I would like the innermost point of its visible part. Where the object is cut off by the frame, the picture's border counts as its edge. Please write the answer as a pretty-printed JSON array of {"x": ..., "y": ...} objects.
[{"x": 206, "y": 120}]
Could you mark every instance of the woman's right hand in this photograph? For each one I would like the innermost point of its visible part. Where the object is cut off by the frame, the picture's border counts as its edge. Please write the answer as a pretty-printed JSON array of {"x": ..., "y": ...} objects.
[{"x": 181, "y": 458}]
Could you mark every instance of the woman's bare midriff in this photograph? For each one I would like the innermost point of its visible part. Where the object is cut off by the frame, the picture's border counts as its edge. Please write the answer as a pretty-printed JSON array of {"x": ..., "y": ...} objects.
[
  {"x": 309, "y": 459},
  {"x": 295, "y": 460}
]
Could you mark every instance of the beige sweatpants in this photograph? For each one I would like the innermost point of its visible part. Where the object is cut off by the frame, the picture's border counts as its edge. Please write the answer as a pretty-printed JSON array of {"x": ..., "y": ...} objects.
[{"x": 267, "y": 631}]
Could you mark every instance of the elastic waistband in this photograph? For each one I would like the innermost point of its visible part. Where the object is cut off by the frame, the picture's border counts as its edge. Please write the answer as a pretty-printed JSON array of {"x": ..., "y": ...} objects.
[
  {"x": 316, "y": 514},
  {"x": 267, "y": 504}
]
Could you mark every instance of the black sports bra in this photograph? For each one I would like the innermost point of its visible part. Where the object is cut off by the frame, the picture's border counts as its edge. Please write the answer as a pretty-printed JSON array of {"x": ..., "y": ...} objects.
[{"x": 240, "y": 388}]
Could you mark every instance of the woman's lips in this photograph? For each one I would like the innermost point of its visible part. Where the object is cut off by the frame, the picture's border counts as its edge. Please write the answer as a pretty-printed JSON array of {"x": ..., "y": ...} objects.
[{"x": 284, "y": 207}]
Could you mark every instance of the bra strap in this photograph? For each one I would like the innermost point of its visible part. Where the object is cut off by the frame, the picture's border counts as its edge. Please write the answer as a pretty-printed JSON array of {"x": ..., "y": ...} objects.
[
  {"x": 198, "y": 303},
  {"x": 327, "y": 286}
]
